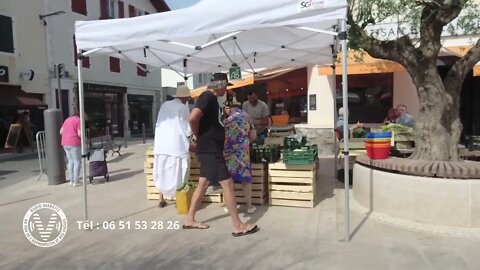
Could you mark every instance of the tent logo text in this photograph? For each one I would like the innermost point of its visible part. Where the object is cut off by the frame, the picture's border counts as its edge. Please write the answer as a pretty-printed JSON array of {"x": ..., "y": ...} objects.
[{"x": 311, "y": 4}]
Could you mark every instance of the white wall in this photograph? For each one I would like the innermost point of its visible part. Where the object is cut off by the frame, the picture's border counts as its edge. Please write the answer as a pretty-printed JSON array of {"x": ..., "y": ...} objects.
[
  {"x": 29, "y": 43},
  {"x": 170, "y": 78},
  {"x": 405, "y": 92},
  {"x": 323, "y": 87}
]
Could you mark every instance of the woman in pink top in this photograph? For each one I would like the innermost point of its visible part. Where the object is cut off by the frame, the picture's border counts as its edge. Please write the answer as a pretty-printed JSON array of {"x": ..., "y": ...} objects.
[{"x": 71, "y": 141}]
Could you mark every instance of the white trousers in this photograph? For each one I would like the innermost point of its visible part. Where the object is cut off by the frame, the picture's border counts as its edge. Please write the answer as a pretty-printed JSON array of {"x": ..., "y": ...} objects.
[{"x": 169, "y": 173}]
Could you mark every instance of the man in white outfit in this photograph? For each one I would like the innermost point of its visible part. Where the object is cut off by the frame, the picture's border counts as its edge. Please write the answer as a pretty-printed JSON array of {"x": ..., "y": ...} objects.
[{"x": 172, "y": 145}]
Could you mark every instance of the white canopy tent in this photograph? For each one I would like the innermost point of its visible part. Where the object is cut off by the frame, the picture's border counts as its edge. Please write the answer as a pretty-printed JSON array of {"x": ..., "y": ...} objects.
[{"x": 213, "y": 35}]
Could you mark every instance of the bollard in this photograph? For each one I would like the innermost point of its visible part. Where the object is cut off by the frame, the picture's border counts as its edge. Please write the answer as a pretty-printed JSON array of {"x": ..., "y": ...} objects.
[
  {"x": 53, "y": 149},
  {"x": 143, "y": 132}
]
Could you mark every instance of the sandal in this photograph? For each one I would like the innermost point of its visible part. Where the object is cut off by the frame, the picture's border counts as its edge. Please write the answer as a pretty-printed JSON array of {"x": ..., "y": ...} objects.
[
  {"x": 199, "y": 226},
  {"x": 252, "y": 230},
  {"x": 162, "y": 204}
]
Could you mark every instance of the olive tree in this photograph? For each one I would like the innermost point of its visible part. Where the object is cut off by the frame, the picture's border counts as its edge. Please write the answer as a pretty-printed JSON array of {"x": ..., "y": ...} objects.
[{"x": 416, "y": 46}]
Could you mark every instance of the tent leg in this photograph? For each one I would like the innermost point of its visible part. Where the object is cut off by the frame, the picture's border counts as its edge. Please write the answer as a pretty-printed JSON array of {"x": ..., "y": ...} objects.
[
  {"x": 345, "y": 130},
  {"x": 83, "y": 138},
  {"x": 335, "y": 109}
]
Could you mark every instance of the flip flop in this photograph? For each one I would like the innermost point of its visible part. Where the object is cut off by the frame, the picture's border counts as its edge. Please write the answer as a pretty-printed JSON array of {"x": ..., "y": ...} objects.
[
  {"x": 254, "y": 229},
  {"x": 198, "y": 226}
]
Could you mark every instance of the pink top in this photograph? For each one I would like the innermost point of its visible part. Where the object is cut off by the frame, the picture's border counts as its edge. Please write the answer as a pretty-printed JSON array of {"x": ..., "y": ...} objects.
[{"x": 70, "y": 129}]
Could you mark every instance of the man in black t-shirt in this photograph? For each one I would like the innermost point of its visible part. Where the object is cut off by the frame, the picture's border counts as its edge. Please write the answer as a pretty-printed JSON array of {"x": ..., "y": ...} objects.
[{"x": 207, "y": 127}]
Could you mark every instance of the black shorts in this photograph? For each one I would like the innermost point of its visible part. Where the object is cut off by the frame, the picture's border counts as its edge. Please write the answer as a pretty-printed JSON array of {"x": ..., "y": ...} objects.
[{"x": 213, "y": 167}]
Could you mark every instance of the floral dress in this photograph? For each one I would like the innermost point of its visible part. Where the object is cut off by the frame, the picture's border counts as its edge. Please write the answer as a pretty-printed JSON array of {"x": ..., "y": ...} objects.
[{"x": 237, "y": 146}]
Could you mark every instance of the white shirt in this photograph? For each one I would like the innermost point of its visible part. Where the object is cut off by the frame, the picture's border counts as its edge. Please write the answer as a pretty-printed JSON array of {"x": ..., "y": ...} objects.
[{"x": 172, "y": 130}]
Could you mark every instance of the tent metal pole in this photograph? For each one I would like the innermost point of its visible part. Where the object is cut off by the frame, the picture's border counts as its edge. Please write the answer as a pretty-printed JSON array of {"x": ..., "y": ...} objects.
[
  {"x": 345, "y": 128},
  {"x": 83, "y": 137},
  {"x": 335, "y": 109}
]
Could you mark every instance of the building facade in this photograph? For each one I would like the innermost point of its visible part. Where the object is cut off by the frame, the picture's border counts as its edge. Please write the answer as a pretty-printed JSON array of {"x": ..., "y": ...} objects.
[
  {"x": 120, "y": 96},
  {"x": 38, "y": 56},
  {"x": 24, "y": 76}
]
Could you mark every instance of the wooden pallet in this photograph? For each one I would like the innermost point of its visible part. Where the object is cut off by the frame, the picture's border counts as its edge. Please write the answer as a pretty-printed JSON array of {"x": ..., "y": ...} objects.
[
  {"x": 292, "y": 185},
  {"x": 259, "y": 185}
]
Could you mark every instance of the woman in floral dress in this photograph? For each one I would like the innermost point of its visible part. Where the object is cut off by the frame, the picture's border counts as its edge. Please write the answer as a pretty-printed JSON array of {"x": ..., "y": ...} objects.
[{"x": 239, "y": 132}]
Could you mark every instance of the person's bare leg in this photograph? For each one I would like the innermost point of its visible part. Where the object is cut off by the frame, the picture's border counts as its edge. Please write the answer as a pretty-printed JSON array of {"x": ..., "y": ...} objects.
[
  {"x": 247, "y": 193},
  {"x": 197, "y": 199},
  {"x": 161, "y": 201},
  {"x": 231, "y": 203}
]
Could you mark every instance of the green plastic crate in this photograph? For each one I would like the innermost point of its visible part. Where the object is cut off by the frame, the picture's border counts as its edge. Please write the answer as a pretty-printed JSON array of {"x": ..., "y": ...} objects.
[{"x": 305, "y": 156}]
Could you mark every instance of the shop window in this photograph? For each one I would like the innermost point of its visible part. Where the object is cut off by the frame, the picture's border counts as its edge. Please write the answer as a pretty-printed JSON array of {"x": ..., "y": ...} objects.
[
  {"x": 114, "y": 64},
  {"x": 121, "y": 9},
  {"x": 85, "y": 60},
  {"x": 79, "y": 6},
  {"x": 370, "y": 96},
  {"x": 131, "y": 11},
  {"x": 142, "y": 71},
  {"x": 6, "y": 28}
]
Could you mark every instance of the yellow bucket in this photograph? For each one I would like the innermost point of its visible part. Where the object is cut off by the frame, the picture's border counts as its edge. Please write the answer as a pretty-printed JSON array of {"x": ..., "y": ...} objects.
[{"x": 183, "y": 200}]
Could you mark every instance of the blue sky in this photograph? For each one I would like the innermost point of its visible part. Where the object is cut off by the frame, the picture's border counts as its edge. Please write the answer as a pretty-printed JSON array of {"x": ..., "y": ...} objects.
[{"x": 178, "y": 4}]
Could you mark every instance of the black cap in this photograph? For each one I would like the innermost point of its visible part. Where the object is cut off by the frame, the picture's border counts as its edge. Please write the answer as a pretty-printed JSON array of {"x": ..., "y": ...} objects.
[{"x": 220, "y": 77}]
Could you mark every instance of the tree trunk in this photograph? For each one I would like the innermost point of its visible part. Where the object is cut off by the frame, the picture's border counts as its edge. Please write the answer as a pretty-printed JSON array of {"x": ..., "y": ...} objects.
[{"x": 438, "y": 127}]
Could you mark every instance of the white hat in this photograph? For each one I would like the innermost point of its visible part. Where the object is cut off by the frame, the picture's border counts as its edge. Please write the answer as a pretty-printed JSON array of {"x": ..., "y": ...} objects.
[
  {"x": 183, "y": 91},
  {"x": 341, "y": 111}
]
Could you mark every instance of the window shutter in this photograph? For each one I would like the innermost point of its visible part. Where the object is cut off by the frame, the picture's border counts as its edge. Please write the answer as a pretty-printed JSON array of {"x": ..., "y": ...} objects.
[
  {"x": 114, "y": 64},
  {"x": 131, "y": 11},
  {"x": 104, "y": 9},
  {"x": 121, "y": 9},
  {"x": 141, "y": 72},
  {"x": 79, "y": 6},
  {"x": 85, "y": 60}
]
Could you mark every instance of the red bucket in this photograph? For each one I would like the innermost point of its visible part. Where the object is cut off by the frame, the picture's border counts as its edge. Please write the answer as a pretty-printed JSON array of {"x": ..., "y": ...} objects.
[{"x": 377, "y": 150}]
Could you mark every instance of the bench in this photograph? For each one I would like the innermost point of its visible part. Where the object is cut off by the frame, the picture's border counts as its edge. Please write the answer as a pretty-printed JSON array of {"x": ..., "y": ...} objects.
[{"x": 106, "y": 142}]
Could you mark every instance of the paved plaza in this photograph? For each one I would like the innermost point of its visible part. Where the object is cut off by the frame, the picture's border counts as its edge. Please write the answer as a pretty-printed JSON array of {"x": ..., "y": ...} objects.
[{"x": 289, "y": 238}]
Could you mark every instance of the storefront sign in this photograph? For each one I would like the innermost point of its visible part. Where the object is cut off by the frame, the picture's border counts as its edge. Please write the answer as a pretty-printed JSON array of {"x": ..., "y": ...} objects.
[
  {"x": 3, "y": 74},
  {"x": 100, "y": 88},
  {"x": 235, "y": 73},
  {"x": 394, "y": 30}
]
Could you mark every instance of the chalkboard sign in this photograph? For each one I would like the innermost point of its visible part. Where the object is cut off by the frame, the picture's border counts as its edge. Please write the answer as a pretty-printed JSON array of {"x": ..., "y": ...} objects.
[{"x": 13, "y": 136}]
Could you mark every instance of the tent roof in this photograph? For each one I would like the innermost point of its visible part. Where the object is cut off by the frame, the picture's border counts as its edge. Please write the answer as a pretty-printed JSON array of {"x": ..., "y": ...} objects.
[{"x": 213, "y": 34}]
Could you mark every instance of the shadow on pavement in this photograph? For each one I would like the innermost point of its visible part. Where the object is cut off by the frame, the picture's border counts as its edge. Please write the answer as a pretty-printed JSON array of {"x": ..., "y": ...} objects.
[
  {"x": 119, "y": 158},
  {"x": 7, "y": 172},
  {"x": 125, "y": 175}
]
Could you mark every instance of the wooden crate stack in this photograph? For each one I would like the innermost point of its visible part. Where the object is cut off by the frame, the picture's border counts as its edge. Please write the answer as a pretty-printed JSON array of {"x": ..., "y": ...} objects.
[
  {"x": 292, "y": 185},
  {"x": 259, "y": 185},
  {"x": 152, "y": 191},
  {"x": 195, "y": 174}
]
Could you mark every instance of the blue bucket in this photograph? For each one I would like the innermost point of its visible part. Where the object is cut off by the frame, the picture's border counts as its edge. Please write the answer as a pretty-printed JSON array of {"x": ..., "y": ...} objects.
[{"x": 378, "y": 135}]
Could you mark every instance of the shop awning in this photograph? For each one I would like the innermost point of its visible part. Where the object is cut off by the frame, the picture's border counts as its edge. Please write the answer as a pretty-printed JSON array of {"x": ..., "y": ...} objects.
[
  {"x": 13, "y": 96},
  {"x": 250, "y": 79},
  {"x": 363, "y": 63}
]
